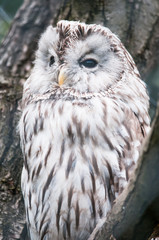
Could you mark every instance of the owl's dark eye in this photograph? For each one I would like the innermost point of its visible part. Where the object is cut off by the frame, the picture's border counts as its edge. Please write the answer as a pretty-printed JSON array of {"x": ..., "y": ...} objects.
[
  {"x": 52, "y": 60},
  {"x": 89, "y": 63}
]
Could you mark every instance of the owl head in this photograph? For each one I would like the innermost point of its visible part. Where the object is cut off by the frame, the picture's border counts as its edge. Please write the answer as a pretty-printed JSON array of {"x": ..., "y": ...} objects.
[{"x": 85, "y": 59}]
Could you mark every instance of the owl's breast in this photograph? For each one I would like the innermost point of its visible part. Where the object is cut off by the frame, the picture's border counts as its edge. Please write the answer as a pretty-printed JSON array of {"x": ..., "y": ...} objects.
[
  {"x": 76, "y": 161},
  {"x": 54, "y": 129}
]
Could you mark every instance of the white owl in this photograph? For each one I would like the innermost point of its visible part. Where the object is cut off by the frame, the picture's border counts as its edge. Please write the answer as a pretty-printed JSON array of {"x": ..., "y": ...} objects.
[{"x": 85, "y": 115}]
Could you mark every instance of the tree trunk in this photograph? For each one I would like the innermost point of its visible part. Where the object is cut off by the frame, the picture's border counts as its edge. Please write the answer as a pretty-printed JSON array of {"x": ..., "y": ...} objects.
[{"x": 136, "y": 22}]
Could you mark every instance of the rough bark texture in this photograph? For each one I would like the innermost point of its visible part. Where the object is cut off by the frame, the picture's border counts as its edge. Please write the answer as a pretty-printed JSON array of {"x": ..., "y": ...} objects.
[{"x": 136, "y": 22}]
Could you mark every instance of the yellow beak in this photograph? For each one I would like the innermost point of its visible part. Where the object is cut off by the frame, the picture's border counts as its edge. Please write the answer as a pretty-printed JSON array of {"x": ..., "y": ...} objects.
[{"x": 61, "y": 78}]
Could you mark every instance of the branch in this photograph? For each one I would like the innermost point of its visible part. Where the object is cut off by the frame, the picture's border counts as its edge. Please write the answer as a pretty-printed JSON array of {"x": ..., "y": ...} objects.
[
  {"x": 20, "y": 43},
  {"x": 136, "y": 211}
]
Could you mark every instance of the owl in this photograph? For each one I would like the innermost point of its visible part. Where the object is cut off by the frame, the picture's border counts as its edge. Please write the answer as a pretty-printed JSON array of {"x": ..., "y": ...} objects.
[{"x": 84, "y": 119}]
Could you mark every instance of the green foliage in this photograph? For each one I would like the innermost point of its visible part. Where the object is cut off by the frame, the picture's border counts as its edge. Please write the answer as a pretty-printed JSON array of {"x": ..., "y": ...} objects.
[
  {"x": 3, "y": 28},
  {"x": 8, "y": 9}
]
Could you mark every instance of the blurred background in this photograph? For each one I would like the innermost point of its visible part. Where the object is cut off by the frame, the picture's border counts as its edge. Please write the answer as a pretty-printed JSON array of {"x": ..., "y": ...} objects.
[{"x": 7, "y": 12}]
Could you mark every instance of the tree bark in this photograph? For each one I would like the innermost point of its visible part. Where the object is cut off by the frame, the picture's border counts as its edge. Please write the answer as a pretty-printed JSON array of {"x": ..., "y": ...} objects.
[{"x": 136, "y": 22}]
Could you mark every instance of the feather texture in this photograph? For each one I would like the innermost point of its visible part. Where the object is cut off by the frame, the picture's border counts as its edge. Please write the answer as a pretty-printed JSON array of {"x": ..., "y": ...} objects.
[{"x": 80, "y": 140}]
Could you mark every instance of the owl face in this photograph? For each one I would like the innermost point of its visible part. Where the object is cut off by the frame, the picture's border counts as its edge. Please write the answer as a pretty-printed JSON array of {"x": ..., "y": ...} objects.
[{"x": 77, "y": 56}]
